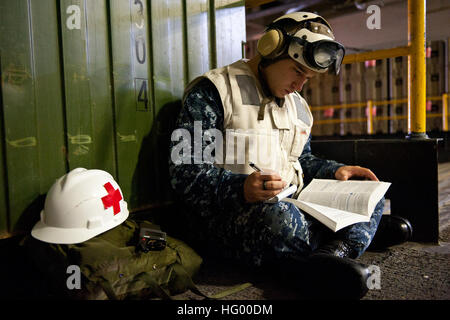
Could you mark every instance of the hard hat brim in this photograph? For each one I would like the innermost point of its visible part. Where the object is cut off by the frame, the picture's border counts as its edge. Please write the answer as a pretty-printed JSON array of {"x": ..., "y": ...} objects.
[{"x": 72, "y": 235}]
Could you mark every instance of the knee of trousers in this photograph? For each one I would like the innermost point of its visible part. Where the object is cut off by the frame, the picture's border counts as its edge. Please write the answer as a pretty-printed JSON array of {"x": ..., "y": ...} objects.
[
  {"x": 378, "y": 212},
  {"x": 361, "y": 234},
  {"x": 272, "y": 231},
  {"x": 286, "y": 222},
  {"x": 372, "y": 225}
]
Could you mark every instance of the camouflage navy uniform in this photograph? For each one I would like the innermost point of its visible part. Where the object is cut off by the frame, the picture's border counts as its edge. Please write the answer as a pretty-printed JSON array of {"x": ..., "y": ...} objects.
[{"x": 221, "y": 220}]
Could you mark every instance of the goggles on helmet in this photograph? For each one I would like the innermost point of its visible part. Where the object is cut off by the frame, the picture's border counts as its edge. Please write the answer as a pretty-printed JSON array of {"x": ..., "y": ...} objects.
[
  {"x": 321, "y": 54},
  {"x": 309, "y": 40}
]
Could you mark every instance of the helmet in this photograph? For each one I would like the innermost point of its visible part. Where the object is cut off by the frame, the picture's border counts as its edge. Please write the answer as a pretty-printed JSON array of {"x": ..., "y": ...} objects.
[
  {"x": 309, "y": 41},
  {"x": 80, "y": 205}
]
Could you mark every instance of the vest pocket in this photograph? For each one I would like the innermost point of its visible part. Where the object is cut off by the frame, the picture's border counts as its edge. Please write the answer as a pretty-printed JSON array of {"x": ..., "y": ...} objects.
[{"x": 280, "y": 117}]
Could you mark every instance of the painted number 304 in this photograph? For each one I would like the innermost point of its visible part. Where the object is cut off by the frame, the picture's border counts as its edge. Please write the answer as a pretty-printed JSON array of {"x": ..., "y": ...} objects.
[{"x": 73, "y": 22}]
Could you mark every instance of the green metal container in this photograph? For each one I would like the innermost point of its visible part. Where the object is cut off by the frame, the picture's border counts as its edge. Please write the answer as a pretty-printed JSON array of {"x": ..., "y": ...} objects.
[{"x": 97, "y": 84}]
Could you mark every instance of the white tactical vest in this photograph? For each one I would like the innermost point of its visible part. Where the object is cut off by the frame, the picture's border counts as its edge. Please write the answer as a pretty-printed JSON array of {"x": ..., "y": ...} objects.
[{"x": 257, "y": 129}]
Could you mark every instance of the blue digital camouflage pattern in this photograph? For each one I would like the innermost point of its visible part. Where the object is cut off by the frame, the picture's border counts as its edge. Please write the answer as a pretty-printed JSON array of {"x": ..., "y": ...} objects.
[{"x": 218, "y": 216}]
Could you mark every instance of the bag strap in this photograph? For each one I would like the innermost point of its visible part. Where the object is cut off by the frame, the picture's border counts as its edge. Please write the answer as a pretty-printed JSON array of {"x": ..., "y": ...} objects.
[
  {"x": 231, "y": 290},
  {"x": 155, "y": 287},
  {"x": 191, "y": 285},
  {"x": 106, "y": 286}
]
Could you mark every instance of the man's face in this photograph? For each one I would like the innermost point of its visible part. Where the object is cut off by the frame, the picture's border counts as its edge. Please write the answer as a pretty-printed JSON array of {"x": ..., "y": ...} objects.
[{"x": 286, "y": 76}]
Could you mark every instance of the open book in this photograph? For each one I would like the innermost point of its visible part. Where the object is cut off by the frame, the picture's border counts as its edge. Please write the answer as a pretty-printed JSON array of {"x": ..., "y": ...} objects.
[{"x": 338, "y": 204}]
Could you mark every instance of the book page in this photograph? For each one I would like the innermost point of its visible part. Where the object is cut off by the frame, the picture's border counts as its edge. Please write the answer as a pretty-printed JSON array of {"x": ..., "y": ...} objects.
[
  {"x": 333, "y": 218},
  {"x": 353, "y": 196}
]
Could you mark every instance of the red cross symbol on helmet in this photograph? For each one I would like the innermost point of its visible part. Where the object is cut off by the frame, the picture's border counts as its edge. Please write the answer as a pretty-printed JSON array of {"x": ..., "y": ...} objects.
[{"x": 112, "y": 199}]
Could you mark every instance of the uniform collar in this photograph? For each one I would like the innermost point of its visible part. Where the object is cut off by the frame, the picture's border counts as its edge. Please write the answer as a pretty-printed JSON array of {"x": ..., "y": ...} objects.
[{"x": 266, "y": 91}]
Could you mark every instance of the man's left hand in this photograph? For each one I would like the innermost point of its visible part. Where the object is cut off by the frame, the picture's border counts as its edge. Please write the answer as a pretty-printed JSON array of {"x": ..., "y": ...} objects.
[{"x": 348, "y": 172}]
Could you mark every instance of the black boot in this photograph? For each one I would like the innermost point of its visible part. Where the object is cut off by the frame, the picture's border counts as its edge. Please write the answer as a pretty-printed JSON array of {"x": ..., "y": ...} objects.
[
  {"x": 337, "y": 275},
  {"x": 327, "y": 273},
  {"x": 333, "y": 277},
  {"x": 392, "y": 230}
]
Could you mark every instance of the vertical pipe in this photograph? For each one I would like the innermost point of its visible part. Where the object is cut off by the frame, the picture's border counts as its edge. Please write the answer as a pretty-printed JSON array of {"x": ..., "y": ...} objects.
[
  {"x": 445, "y": 112},
  {"x": 369, "y": 117},
  {"x": 185, "y": 43},
  {"x": 416, "y": 70},
  {"x": 212, "y": 34}
]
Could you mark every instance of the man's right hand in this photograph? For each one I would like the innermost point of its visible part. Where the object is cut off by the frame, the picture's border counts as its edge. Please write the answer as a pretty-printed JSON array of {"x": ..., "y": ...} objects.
[{"x": 261, "y": 186}]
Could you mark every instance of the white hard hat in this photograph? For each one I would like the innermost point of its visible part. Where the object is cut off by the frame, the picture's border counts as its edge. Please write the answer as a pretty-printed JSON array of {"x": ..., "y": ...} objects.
[
  {"x": 80, "y": 205},
  {"x": 312, "y": 43}
]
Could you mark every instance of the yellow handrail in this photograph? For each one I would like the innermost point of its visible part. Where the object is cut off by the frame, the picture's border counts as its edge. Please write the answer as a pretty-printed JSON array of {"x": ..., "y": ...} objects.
[
  {"x": 371, "y": 103},
  {"x": 376, "y": 55},
  {"x": 328, "y": 121},
  {"x": 444, "y": 96}
]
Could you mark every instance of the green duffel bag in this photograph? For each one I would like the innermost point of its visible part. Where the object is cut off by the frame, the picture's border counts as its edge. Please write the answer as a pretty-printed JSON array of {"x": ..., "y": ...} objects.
[{"x": 112, "y": 268}]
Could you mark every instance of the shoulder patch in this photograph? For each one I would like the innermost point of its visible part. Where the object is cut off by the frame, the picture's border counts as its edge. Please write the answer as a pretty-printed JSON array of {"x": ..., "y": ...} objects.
[
  {"x": 249, "y": 92},
  {"x": 301, "y": 106}
]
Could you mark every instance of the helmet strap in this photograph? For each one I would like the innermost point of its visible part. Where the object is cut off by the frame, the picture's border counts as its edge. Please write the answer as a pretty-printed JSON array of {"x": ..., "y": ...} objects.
[{"x": 262, "y": 79}]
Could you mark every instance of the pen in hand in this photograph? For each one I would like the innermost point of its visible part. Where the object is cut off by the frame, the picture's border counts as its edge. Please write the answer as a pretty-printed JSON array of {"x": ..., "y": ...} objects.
[
  {"x": 254, "y": 167},
  {"x": 272, "y": 199}
]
